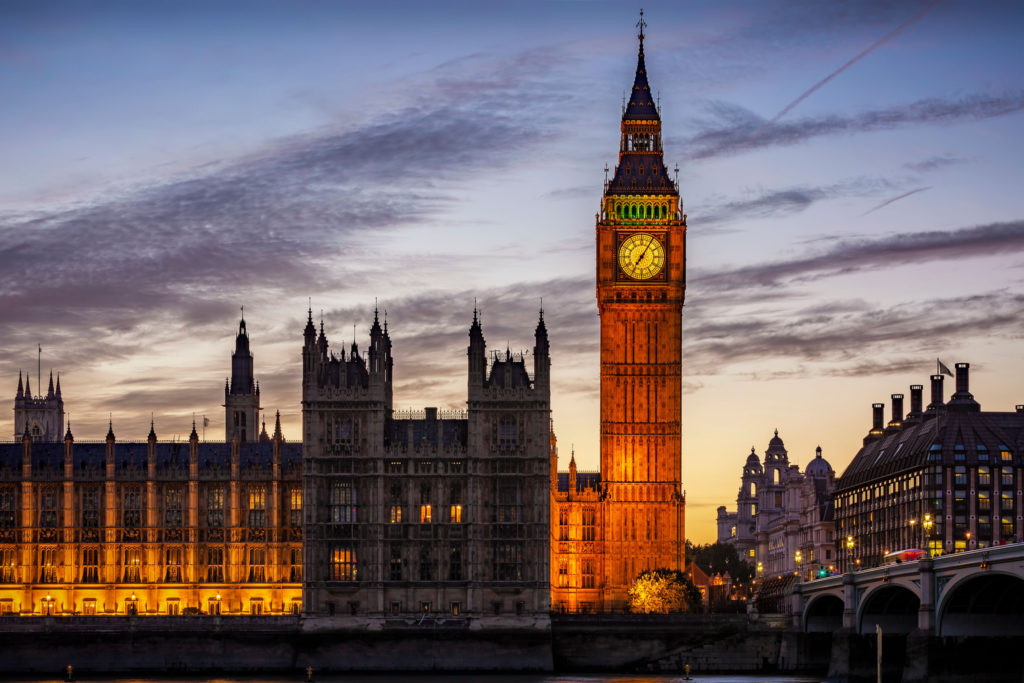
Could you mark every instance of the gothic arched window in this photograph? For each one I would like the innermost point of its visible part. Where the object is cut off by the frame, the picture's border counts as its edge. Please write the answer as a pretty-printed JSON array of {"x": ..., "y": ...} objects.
[{"x": 507, "y": 432}]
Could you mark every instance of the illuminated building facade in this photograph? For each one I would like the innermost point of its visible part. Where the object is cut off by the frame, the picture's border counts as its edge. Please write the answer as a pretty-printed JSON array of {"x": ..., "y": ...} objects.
[
  {"x": 641, "y": 233},
  {"x": 150, "y": 527},
  {"x": 944, "y": 478},
  {"x": 783, "y": 521},
  {"x": 431, "y": 513}
]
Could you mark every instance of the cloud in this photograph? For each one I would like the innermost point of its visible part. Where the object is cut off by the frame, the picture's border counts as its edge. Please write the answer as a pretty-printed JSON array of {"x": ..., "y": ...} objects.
[
  {"x": 846, "y": 343},
  {"x": 786, "y": 201},
  {"x": 732, "y": 129},
  {"x": 934, "y": 163},
  {"x": 850, "y": 256},
  {"x": 178, "y": 254}
]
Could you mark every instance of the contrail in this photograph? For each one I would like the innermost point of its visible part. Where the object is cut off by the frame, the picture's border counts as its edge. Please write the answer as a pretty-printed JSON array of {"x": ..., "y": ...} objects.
[
  {"x": 887, "y": 202},
  {"x": 874, "y": 46}
]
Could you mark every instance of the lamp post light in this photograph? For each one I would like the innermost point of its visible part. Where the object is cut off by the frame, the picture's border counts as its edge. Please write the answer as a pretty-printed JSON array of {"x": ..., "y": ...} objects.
[
  {"x": 913, "y": 536},
  {"x": 849, "y": 551},
  {"x": 798, "y": 556},
  {"x": 927, "y": 524},
  {"x": 968, "y": 540}
]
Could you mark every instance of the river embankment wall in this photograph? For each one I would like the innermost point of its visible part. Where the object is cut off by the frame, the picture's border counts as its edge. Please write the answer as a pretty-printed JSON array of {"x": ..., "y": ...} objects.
[{"x": 565, "y": 643}]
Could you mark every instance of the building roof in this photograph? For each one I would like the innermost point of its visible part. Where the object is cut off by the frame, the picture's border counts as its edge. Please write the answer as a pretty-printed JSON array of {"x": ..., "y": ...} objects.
[
  {"x": 953, "y": 435},
  {"x": 584, "y": 481}
]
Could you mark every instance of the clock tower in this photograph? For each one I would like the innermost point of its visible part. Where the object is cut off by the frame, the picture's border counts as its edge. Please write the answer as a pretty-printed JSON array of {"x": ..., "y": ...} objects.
[{"x": 641, "y": 235}]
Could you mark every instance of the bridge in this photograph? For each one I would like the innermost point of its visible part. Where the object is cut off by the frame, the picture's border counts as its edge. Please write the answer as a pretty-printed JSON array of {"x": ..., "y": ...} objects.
[{"x": 974, "y": 593}]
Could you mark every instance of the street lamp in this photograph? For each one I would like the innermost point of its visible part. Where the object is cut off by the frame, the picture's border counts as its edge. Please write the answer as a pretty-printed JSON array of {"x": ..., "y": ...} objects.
[
  {"x": 968, "y": 540},
  {"x": 927, "y": 525},
  {"x": 849, "y": 551}
]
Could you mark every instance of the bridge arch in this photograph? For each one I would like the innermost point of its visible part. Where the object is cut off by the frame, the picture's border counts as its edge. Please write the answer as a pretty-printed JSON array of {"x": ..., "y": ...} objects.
[
  {"x": 824, "y": 614},
  {"x": 893, "y": 606},
  {"x": 989, "y": 604}
]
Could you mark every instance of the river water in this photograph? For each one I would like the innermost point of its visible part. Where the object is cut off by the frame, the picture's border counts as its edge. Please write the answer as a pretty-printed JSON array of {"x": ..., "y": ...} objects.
[{"x": 461, "y": 678}]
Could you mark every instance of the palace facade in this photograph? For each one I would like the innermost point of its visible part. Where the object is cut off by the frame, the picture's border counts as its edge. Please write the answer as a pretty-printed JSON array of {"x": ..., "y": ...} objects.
[
  {"x": 630, "y": 516},
  {"x": 440, "y": 512},
  {"x": 783, "y": 522},
  {"x": 149, "y": 527}
]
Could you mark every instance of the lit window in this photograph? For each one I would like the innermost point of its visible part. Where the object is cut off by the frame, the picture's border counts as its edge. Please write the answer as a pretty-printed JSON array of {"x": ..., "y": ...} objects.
[
  {"x": 343, "y": 563},
  {"x": 343, "y": 503},
  {"x": 396, "y": 514},
  {"x": 456, "y": 514},
  {"x": 426, "y": 515}
]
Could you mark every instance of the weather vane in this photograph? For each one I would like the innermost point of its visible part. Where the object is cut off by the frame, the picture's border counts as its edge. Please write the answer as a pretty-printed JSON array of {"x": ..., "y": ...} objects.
[{"x": 641, "y": 25}]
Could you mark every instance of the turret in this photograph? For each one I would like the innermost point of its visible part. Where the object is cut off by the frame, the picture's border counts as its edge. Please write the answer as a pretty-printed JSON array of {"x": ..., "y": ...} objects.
[
  {"x": 541, "y": 354},
  {"x": 110, "y": 431},
  {"x": 572, "y": 473},
  {"x": 278, "y": 436},
  {"x": 241, "y": 394},
  {"x": 193, "y": 437},
  {"x": 151, "y": 439},
  {"x": 477, "y": 352},
  {"x": 242, "y": 381}
]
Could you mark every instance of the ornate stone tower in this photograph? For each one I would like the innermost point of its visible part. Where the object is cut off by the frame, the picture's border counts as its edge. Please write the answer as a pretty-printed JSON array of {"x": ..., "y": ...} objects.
[
  {"x": 41, "y": 416},
  {"x": 641, "y": 233},
  {"x": 241, "y": 393}
]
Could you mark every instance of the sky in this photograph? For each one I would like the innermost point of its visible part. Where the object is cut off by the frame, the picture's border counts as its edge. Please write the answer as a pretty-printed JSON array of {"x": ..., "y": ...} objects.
[{"x": 851, "y": 172}]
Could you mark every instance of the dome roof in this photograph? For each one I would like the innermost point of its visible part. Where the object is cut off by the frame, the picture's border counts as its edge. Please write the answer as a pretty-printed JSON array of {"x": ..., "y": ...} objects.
[
  {"x": 753, "y": 462},
  {"x": 819, "y": 467},
  {"x": 776, "y": 442}
]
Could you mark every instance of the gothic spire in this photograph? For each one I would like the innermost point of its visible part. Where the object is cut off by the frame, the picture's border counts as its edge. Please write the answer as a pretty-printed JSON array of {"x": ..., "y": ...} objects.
[
  {"x": 58, "y": 386},
  {"x": 193, "y": 436},
  {"x": 67, "y": 436},
  {"x": 277, "y": 427},
  {"x": 21, "y": 391},
  {"x": 110, "y": 429},
  {"x": 49, "y": 392},
  {"x": 263, "y": 431},
  {"x": 309, "y": 334},
  {"x": 641, "y": 103},
  {"x": 28, "y": 386},
  {"x": 641, "y": 168},
  {"x": 152, "y": 429}
]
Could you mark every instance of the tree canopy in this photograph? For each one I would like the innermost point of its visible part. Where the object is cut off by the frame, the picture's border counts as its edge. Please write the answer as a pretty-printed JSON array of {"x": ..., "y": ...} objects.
[
  {"x": 660, "y": 591},
  {"x": 716, "y": 558}
]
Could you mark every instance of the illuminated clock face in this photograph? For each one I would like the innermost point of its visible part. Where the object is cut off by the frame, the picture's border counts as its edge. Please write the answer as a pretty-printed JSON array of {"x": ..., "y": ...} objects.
[{"x": 641, "y": 256}]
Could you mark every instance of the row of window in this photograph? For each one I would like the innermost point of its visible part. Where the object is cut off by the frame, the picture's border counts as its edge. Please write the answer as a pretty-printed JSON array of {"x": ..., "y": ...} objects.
[
  {"x": 508, "y": 562},
  {"x": 132, "y": 508},
  {"x": 91, "y": 562},
  {"x": 172, "y": 606}
]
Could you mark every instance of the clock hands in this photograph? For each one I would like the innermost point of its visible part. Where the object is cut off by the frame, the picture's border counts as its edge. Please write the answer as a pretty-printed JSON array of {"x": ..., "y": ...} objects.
[{"x": 644, "y": 253}]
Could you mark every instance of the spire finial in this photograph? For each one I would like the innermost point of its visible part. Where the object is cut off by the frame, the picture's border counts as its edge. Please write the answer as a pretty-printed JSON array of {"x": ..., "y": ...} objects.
[{"x": 641, "y": 25}]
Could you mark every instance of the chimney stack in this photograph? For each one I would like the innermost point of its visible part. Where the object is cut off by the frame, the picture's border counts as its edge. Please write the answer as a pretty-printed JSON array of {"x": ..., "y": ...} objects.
[
  {"x": 962, "y": 399},
  {"x": 877, "y": 417},
  {"x": 936, "y": 393},
  {"x": 916, "y": 399},
  {"x": 962, "y": 377},
  {"x": 897, "y": 410}
]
